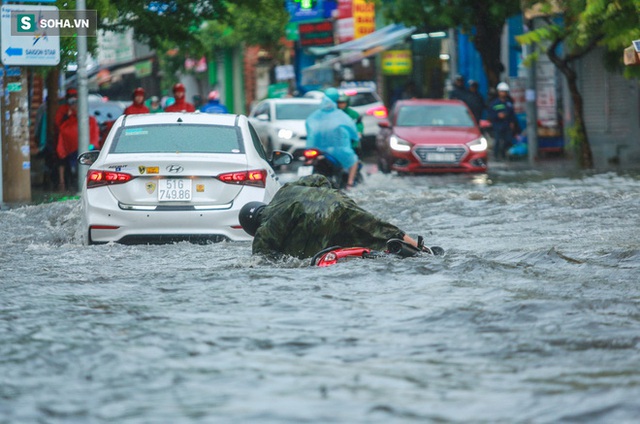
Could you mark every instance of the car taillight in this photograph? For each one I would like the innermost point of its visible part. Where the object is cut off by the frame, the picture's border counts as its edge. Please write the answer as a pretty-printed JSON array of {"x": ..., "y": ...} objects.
[
  {"x": 311, "y": 153},
  {"x": 379, "y": 112},
  {"x": 97, "y": 178},
  {"x": 256, "y": 178}
]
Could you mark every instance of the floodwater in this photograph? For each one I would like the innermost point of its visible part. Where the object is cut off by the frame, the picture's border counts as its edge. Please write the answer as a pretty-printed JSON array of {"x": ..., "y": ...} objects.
[{"x": 532, "y": 316}]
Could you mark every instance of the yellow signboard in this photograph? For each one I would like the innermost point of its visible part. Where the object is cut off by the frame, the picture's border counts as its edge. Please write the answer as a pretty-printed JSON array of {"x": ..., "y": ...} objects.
[
  {"x": 364, "y": 18},
  {"x": 397, "y": 62}
]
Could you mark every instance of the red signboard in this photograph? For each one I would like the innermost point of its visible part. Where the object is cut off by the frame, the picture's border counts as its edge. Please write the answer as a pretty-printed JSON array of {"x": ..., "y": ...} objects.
[
  {"x": 316, "y": 34},
  {"x": 345, "y": 9}
]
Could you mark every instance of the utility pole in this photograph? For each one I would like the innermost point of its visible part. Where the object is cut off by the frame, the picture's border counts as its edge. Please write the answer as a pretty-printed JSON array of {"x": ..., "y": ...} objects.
[
  {"x": 16, "y": 152},
  {"x": 17, "y": 51},
  {"x": 530, "y": 96},
  {"x": 83, "y": 95}
]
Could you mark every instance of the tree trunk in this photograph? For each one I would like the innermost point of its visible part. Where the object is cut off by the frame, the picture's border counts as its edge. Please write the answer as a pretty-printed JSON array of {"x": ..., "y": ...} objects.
[
  {"x": 52, "y": 85},
  {"x": 584, "y": 149},
  {"x": 488, "y": 41},
  {"x": 585, "y": 156}
]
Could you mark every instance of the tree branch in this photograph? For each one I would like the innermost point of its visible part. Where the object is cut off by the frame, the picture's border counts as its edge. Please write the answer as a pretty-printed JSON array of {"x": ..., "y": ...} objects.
[{"x": 586, "y": 49}]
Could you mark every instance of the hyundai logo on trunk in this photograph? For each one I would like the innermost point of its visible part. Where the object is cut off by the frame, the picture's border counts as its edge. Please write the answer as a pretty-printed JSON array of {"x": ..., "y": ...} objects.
[{"x": 176, "y": 169}]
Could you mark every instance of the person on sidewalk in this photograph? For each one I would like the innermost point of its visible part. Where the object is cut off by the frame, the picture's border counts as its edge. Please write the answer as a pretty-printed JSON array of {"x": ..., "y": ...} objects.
[
  {"x": 459, "y": 91},
  {"x": 503, "y": 118},
  {"x": 67, "y": 147},
  {"x": 475, "y": 100}
]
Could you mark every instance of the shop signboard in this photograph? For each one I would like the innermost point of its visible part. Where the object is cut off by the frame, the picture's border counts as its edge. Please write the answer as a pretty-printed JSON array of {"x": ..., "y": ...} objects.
[
  {"x": 344, "y": 21},
  {"x": 397, "y": 62},
  {"x": 316, "y": 34},
  {"x": 364, "y": 18},
  {"x": 306, "y": 10}
]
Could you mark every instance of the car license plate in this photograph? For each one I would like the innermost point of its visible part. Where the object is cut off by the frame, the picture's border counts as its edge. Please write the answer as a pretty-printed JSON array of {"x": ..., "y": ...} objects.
[
  {"x": 303, "y": 171},
  {"x": 174, "y": 190},
  {"x": 441, "y": 157}
]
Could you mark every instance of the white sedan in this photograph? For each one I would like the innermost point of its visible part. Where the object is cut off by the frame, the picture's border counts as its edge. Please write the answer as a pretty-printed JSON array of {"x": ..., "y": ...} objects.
[
  {"x": 280, "y": 123},
  {"x": 169, "y": 177}
]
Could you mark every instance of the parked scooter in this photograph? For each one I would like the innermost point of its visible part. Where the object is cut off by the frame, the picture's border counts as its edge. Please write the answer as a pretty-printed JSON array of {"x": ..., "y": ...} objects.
[{"x": 318, "y": 162}]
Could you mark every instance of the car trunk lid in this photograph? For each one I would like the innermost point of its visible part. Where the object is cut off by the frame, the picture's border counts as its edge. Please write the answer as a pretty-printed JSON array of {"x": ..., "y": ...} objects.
[{"x": 186, "y": 180}]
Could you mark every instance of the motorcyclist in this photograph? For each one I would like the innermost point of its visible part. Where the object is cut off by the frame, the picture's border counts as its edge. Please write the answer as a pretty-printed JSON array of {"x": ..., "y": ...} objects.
[
  {"x": 308, "y": 215},
  {"x": 343, "y": 104},
  {"x": 138, "y": 105},
  {"x": 330, "y": 130},
  {"x": 214, "y": 105},
  {"x": 180, "y": 104}
]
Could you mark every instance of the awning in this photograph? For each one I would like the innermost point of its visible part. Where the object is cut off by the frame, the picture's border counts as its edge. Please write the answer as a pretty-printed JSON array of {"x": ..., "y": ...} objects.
[
  {"x": 355, "y": 50},
  {"x": 379, "y": 40}
]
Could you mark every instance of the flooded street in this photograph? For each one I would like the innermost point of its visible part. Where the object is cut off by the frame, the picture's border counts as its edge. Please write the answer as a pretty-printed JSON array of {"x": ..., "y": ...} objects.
[{"x": 532, "y": 316}]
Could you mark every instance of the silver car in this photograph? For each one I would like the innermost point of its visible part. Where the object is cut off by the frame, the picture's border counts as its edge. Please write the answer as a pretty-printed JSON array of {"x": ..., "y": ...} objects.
[
  {"x": 366, "y": 101},
  {"x": 169, "y": 177},
  {"x": 280, "y": 123}
]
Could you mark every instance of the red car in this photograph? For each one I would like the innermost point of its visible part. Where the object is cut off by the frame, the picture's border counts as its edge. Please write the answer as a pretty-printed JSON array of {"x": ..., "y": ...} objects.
[{"x": 431, "y": 136}]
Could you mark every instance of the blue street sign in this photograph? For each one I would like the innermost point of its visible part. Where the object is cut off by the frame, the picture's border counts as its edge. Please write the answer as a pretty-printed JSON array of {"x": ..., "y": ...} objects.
[{"x": 13, "y": 71}]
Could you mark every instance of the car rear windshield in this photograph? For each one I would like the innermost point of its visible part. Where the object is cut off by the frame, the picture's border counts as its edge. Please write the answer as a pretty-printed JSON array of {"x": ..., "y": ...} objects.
[
  {"x": 434, "y": 116},
  {"x": 183, "y": 138},
  {"x": 362, "y": 98},
  {"x": 104, "y": 112},
  {"x": 298, "y": 111}
]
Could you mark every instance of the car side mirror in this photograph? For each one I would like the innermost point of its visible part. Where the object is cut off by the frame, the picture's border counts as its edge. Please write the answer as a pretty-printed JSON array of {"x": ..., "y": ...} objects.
[
  {"x": 88, "y": 158},
  {"x": 278, "y": 158},
  {"x": 262, "y": 117},
  {"x": 485, "y": 124},
  {"x": 384, "y": 124}
]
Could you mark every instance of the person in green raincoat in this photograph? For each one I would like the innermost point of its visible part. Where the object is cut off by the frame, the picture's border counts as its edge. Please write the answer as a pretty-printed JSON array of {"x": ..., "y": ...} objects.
[
  {"x": 343, "y": 104},
  {"x": 308, "y": 215}
]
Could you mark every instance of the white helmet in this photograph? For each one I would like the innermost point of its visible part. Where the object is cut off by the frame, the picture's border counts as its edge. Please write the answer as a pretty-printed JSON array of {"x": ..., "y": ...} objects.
[{"x": 503, "y": 86}]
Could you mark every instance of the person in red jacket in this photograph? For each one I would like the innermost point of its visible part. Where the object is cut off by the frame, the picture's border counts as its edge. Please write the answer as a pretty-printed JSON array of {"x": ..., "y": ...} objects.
[
  {"x": 67, "y": 148},
  {"x": 137, "y": 106},
  {"x": 51, "y": 158},
  {"x": 181, "y": 104},
  {"x": 63, "y": 110}
]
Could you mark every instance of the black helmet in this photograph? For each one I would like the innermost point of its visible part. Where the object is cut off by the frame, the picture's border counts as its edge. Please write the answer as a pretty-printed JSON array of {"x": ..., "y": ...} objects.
[{"x": 250, "y": 217}]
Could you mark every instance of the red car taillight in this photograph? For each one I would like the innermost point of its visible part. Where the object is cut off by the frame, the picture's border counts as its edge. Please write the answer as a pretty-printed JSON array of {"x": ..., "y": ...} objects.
[
  {"x": 311, "y": 153},
  {"x": 256, "y": 178},
  {"x": 96, "y": 178},
  {"x": 379, "y": 112}
]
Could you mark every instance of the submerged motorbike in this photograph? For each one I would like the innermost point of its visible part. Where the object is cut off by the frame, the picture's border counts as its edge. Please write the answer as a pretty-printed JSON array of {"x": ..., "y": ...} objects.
[
  {"x": 318, "y": 162},
  {"x": 396, "y": 247}
]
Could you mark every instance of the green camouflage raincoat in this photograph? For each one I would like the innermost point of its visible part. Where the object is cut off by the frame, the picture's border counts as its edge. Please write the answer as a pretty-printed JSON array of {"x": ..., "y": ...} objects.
[{"x": 308, "y": 215}]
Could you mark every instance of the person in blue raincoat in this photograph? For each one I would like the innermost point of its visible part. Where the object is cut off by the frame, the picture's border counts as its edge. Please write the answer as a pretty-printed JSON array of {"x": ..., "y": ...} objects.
[
  {"x": 214, "y": 105},
  {"x": 330, "y": 130}
]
